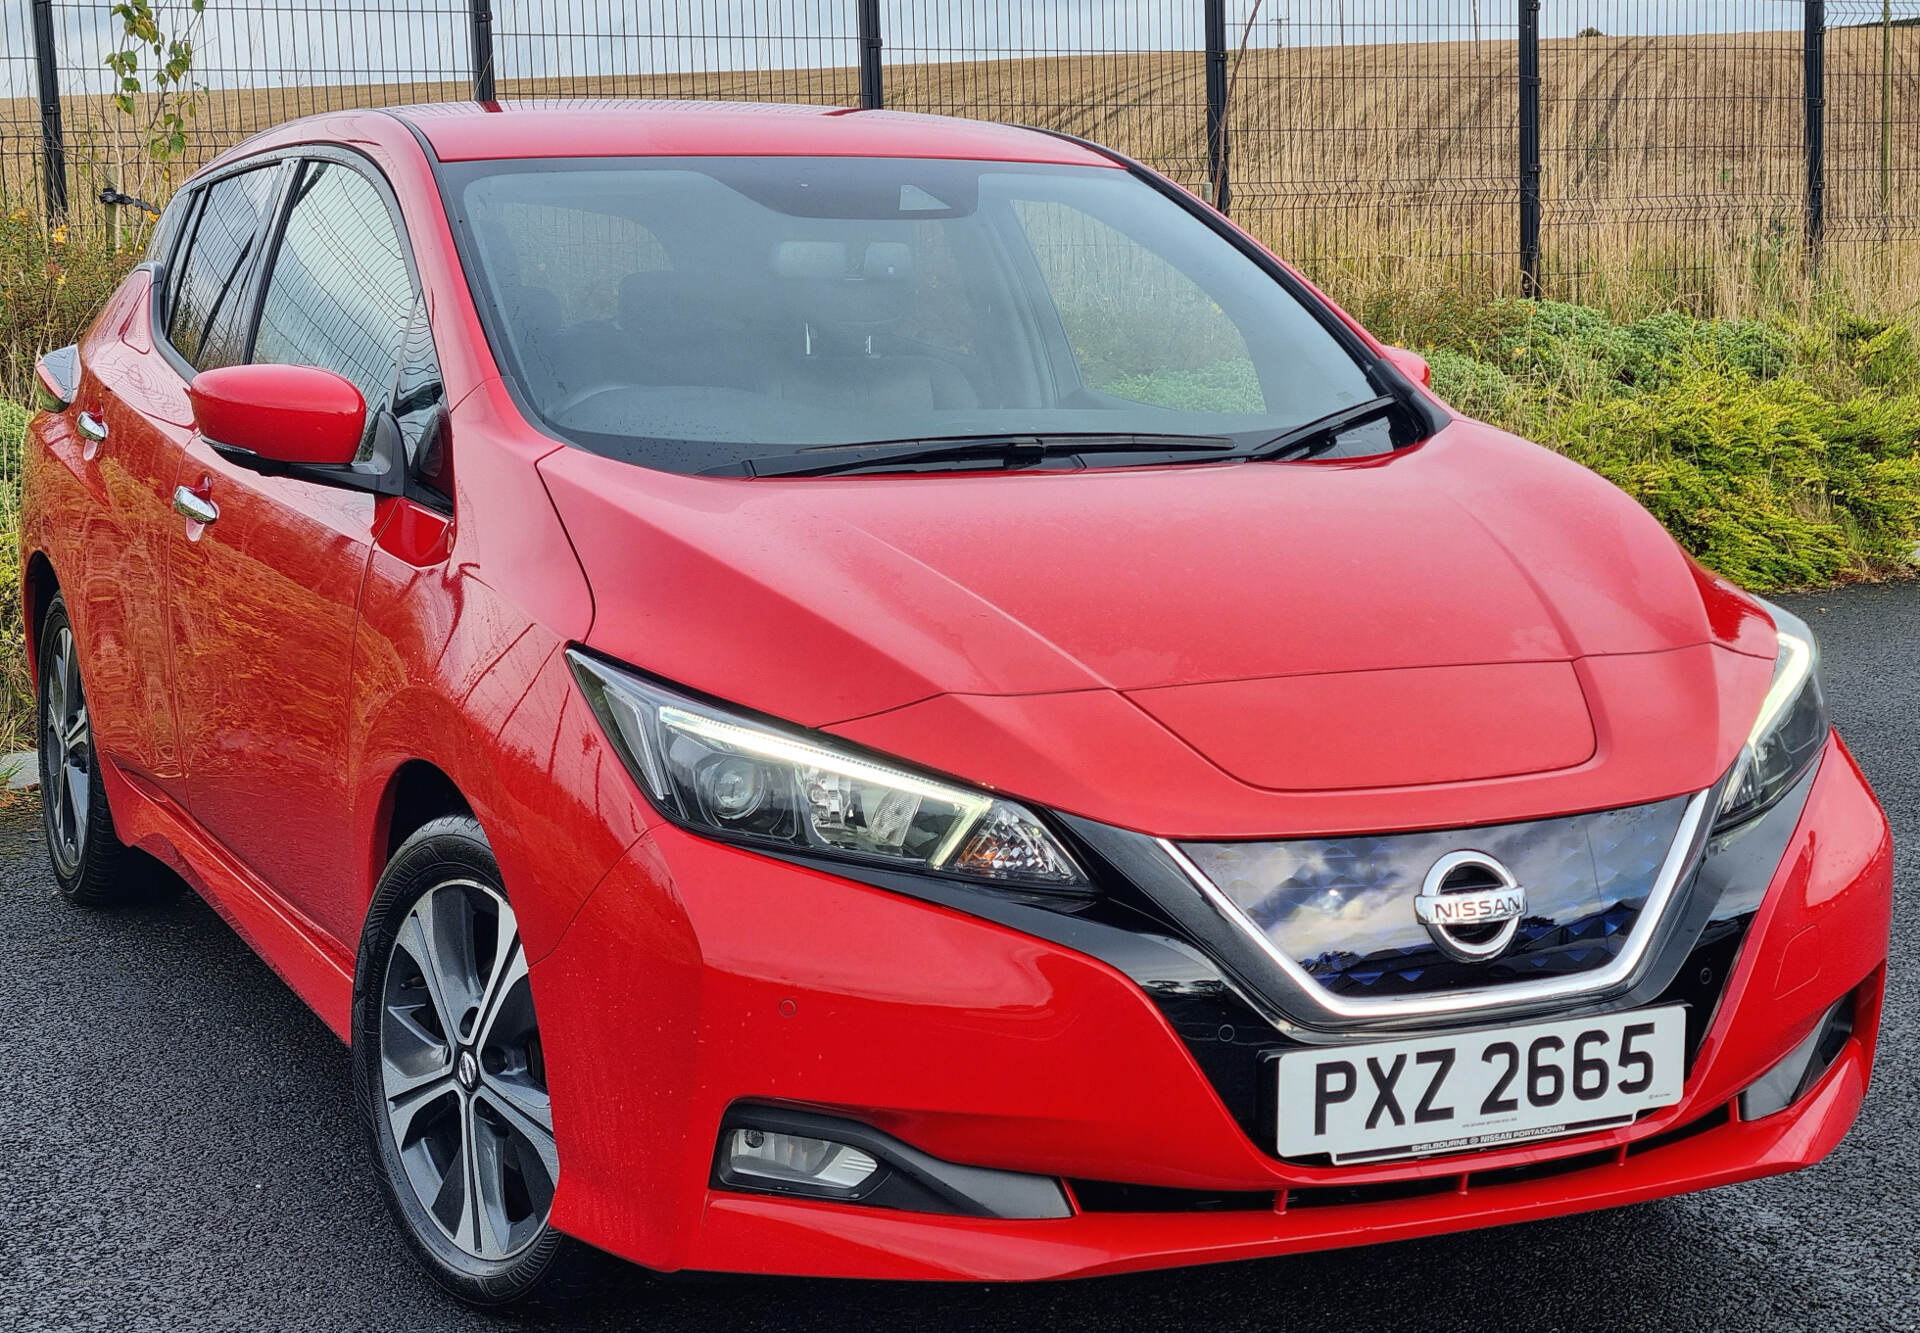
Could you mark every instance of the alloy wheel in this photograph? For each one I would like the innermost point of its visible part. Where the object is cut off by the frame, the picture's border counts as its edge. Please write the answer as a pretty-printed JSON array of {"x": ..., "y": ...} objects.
[
  {"x": 67, "y": 749},
  {"x": 462, "y": 1072}
]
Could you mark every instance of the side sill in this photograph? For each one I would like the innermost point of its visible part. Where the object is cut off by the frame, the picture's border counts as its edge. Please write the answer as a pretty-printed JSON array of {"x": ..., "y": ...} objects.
[{"x": 317, "y": 969}]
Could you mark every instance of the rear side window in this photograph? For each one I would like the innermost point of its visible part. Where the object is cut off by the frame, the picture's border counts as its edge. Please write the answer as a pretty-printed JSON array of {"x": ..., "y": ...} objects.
[
  {"x": 206, "y": 319},
  {"x": 339, "y": 296}
]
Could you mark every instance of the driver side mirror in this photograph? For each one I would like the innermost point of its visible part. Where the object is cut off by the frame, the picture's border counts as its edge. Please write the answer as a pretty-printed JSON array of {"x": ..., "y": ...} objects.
[
  {"x": 279, "y": 418},
  {"x": 1412, "y": 365}
]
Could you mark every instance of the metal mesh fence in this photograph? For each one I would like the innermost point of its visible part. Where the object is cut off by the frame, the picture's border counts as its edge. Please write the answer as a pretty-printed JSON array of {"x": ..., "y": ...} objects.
[
  {"x": 20, "y": 135},
  {"x": 1677, "y": 153},
  {"x": 1368, "y": 140},
  {"x": 1129, "y": 76},
  {"x": 1873, "y": 120},
  {"x": 770, "y": 51},
  {"x": 1377, "y": 138}
]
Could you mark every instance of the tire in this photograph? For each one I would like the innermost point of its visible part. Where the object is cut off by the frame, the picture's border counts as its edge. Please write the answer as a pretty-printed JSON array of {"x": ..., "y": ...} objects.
[
  {"x": 92, "y": 867},
  {"x": 450, "y": 1077}
]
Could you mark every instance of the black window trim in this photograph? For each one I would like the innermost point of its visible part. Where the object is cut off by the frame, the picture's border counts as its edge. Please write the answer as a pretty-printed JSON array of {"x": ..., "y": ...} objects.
[
  {"x": 292, "y": 161},
  {"x": 160, "y": 265},
  {"x": 162, "y": 310}
]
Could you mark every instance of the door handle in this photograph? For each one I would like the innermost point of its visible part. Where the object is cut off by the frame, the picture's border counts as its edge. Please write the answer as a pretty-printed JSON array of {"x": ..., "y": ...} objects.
[
  {"x": 192, "y": 505},
  {"x": 92, "y": 427}
]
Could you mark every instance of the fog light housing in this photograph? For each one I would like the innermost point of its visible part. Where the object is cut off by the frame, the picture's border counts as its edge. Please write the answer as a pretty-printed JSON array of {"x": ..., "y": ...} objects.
[
  {"x": 795, "y": 1160},
  {"x": 1793, "y": 1078},
  {"x": 806, "y": 1155}
]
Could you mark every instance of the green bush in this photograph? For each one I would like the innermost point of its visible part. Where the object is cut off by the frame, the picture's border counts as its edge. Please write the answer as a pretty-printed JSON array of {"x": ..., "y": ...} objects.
[
  {"x": 52, "y": 283},
  {"x": 16, "y": 692},
  {"x": 1765, "y": 480},
  {"x": 1479, "y": 388}
]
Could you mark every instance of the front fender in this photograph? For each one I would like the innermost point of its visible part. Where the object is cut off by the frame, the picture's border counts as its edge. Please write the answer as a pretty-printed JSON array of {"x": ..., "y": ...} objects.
[{"x": 499, "y": 714}]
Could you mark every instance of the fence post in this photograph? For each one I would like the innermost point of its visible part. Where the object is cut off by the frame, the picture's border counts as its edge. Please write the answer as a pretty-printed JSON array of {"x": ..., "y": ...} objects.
[
  {"x": 872, "y": 91},
  {"x": 1530, "y": 148},
  {"x": 1216, "y": 25},
  {"x": 53, "y": 142},
  {"x": 1815, "y": 46},
  {"x": 480, "y": 22}
]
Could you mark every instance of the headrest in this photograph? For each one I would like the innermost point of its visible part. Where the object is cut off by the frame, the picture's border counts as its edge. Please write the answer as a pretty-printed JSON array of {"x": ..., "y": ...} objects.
[{"x": 827, "y": 291}]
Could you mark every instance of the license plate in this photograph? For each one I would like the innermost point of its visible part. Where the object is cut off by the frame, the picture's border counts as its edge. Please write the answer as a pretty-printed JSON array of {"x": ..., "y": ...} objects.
[{"x": 1451, "y": 1093}]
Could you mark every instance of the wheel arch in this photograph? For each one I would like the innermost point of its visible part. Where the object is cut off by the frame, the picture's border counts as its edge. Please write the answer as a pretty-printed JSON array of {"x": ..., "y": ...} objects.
[
  {"x": 509, "y": 740},
  {"x": 418, "y": 792},
  {"x": 38, "y": 586}
]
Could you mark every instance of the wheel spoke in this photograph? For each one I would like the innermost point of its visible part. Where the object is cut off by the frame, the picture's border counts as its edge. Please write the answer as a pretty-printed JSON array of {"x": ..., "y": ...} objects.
[
  {"x": 70, "y": 697},
  {"x": 56, "y": 781},
  {"x": 405, "y": 1104},
  {"x": 510, "y": 969},
  {"x": 416, "y": 938},
  {"x": 519, "y": 1098},
  {"x": 57, "y": 682},
  {"x": 424, "y": 1062},
  {"x": 79, "y": 795},
  {"x": 452, "y": 1204},
  {"x": 528, "y": 1116},
  {"x": 492, "y": 1227}
]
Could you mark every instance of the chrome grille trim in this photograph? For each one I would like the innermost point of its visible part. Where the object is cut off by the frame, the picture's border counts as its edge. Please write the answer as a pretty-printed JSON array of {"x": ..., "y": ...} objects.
[{"x": 1476, "y": 999}]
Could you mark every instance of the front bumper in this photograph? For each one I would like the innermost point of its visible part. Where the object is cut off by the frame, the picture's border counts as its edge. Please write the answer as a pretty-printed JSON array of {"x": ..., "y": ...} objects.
[{"x": 697, "y": 976}]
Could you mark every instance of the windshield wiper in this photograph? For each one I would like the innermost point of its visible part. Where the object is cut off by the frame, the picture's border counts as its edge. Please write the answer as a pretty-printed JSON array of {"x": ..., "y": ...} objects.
[
  {"x": 1321, "y": 434},
  {"x": 1009, "y": 451}
]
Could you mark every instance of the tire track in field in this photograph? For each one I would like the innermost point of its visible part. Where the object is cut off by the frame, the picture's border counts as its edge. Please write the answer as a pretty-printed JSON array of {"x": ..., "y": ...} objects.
[{"x": 1636, "y": 49}]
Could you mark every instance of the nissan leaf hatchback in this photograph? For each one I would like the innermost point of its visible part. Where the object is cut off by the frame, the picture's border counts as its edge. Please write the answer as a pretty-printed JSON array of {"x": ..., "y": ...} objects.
[{"x": 867, "y": 695}]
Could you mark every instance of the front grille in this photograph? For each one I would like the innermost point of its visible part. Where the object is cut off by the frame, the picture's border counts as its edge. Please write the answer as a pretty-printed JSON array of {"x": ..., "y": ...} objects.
[{"x": 1343, "y": 908}]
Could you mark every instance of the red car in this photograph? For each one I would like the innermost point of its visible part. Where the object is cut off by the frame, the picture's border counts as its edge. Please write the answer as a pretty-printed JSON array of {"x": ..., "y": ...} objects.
[{"x": 867, "y": 695}]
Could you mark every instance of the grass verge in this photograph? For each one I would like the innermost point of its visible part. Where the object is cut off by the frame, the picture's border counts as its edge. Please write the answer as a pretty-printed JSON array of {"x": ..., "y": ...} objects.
[{"x": 16, "y": 692}]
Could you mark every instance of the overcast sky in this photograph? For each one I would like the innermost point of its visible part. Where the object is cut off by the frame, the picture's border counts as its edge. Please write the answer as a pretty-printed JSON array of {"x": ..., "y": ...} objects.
[{"x": 356, "y": 41}]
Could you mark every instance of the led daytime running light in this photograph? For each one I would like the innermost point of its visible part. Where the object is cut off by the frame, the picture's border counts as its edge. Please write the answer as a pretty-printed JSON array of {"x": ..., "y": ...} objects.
[{"x": 770, "y": 746}]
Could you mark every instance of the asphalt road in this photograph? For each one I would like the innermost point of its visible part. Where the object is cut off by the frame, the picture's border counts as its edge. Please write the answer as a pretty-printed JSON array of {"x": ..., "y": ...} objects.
[{"x": 177, "y": 1151}]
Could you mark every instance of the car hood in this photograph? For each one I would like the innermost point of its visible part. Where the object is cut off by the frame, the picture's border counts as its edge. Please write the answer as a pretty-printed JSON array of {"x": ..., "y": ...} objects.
[{"x": 1430, "y": 618}]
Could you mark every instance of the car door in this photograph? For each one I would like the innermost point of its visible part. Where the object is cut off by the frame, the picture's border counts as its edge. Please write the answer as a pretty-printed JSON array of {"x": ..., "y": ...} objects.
[
  {"x": 135, "y": 422},
  {"x": 264, "y": 596}
]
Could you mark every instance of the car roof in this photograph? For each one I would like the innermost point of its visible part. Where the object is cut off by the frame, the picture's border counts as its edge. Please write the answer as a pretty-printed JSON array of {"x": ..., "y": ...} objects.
[{"x": 470, "y": 131}]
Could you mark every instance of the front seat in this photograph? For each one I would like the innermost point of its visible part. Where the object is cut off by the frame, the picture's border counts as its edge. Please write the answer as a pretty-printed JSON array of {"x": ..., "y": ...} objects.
[
  {"x": 846, "y": 304},
  {"x": 670, "y": 329}
]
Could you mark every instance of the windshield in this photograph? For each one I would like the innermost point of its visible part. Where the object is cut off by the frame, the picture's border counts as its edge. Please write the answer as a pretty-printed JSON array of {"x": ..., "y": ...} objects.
[{"x": 689, "y": 314}]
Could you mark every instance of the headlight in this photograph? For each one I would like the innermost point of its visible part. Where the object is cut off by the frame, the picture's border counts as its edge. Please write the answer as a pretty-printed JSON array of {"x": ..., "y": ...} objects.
[
  {"x": 1790, "y": 731},
  {"x": 746, "y": 780}
]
